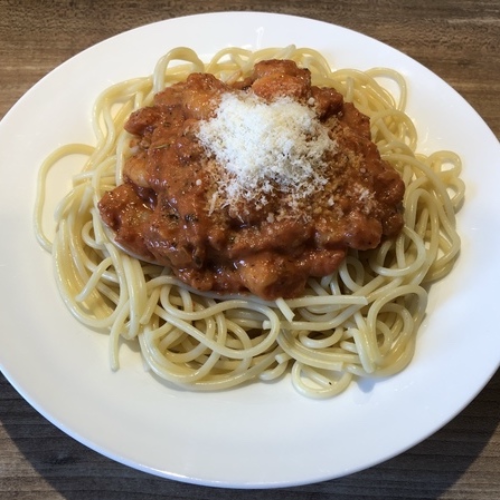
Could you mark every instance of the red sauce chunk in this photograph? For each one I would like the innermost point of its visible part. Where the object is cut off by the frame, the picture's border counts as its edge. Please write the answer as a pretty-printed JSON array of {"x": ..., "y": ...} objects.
[{"x": 252, "y": 187}]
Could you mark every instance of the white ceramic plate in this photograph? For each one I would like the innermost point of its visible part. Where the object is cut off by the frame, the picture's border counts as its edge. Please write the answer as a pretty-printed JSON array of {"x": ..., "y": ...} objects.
[{"x": 260, "y": 435}]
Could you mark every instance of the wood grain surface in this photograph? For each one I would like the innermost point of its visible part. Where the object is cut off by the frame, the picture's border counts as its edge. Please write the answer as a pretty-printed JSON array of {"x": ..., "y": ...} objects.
[{"x": 459, "y": 41}]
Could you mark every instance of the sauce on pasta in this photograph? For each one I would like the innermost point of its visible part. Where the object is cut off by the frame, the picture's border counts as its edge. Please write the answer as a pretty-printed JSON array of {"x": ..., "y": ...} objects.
[{"x": 312, "y": 186}]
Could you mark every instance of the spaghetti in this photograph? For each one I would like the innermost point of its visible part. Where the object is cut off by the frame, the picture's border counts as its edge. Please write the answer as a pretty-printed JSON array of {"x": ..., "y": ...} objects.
[{"x": 359, "y": 321}]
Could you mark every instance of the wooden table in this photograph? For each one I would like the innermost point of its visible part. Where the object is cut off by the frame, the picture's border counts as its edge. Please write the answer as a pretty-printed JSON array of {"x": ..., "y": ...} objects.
[{"x": 458, "y": 40}]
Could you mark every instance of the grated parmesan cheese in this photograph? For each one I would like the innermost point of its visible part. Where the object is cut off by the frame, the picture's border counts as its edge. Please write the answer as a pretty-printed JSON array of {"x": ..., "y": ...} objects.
[{"x": 261, "y": 145}]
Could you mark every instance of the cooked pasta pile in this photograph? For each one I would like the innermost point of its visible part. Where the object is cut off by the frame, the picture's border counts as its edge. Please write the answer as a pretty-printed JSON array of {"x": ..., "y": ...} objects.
[{"x": 360, "y": 321}]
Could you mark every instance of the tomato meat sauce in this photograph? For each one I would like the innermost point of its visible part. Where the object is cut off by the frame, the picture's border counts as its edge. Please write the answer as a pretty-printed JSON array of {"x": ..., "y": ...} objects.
[{"x": 264, "y": 230}]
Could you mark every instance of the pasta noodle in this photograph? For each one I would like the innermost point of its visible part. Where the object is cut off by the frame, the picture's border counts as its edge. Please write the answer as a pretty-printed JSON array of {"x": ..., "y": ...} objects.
[{"x": 360, "y": 321}]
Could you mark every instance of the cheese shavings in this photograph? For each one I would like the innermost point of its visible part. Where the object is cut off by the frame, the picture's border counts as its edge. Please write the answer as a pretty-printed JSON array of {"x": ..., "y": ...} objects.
[{"x": 262, "y": 146}]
